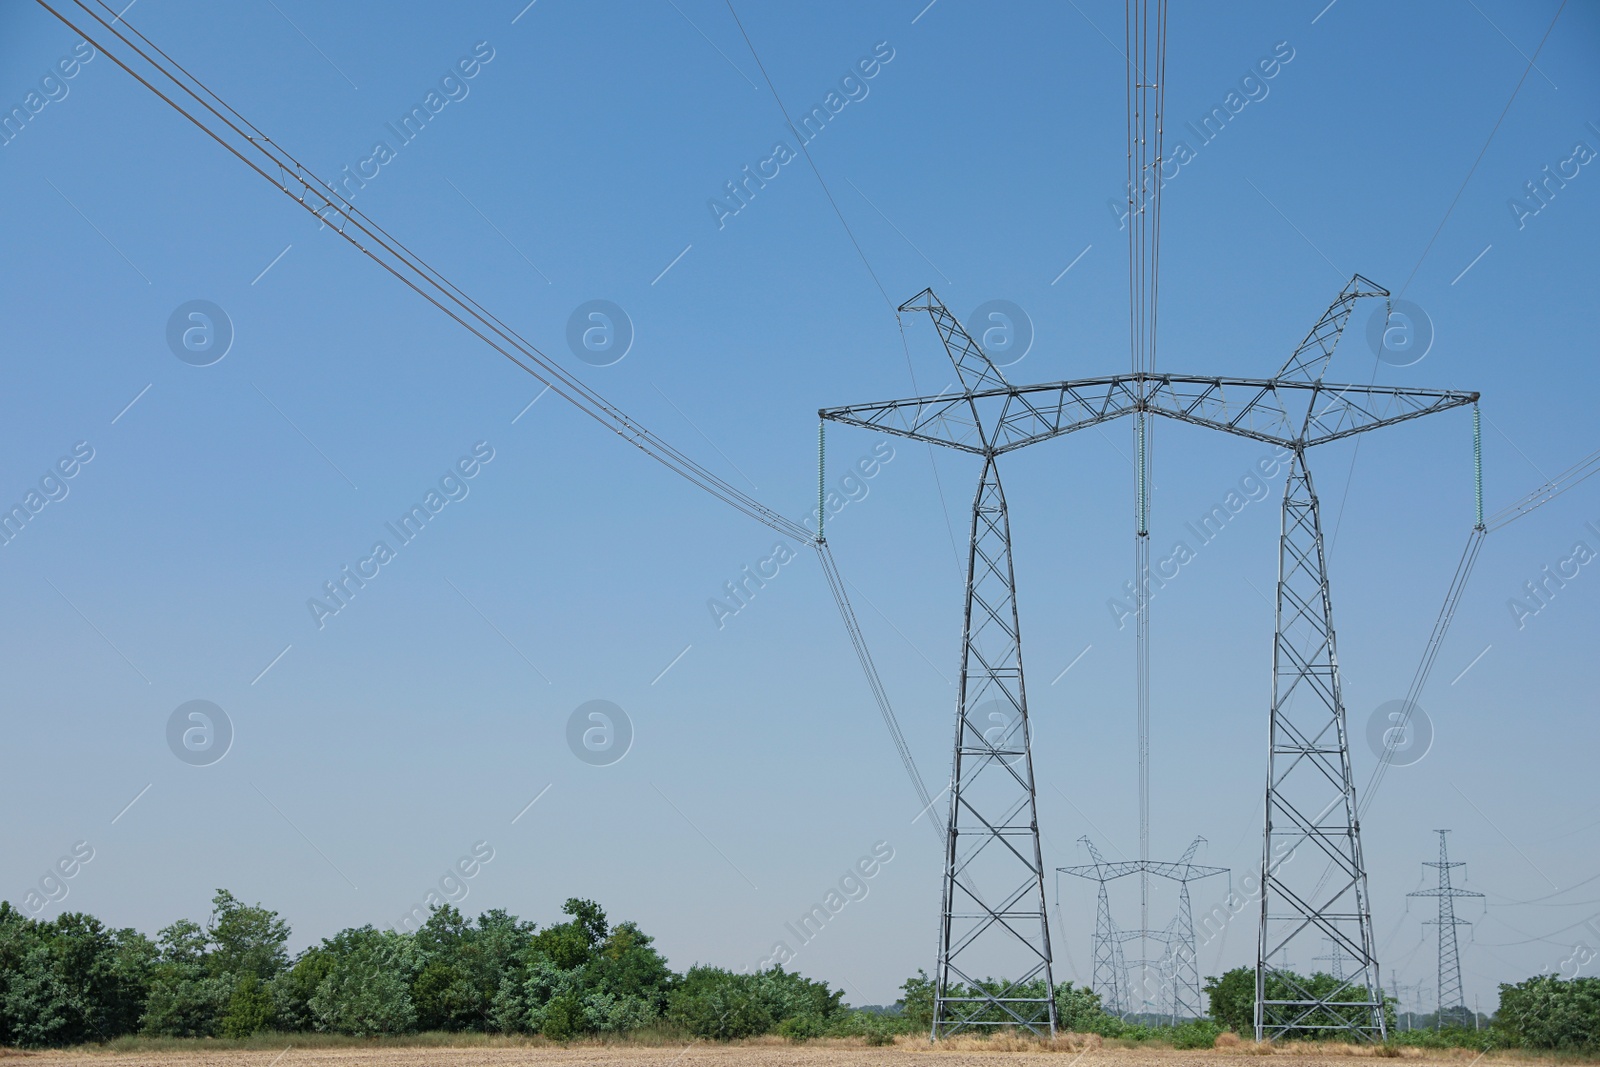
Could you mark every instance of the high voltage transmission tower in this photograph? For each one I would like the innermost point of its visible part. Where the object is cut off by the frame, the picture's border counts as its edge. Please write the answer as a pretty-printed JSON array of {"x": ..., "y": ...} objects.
[
  {"x": 1451, "y": 997},
  {"x": 1175, "y": 991},
  {"x": 1311, "y": 805},
  {"x": 993, "y": 905},
  {"x": 1334, "y": 959},
  {"x": 992, "y": 809}
]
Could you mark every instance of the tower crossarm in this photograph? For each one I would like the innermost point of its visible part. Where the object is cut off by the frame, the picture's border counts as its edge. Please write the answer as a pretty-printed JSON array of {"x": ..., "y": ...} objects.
[
  {"x": 1339, "y": 411},
  {"x": 1194, "y": 846},
  {"x": 1183, "y": 872},
  {"x": 1292, "y": 413},
  {"x": 1012, "y": 416},
  {"x": 1107, "y": 871},
  {"x": 945, "y": 419},
  {"x": 1276, "y": 411},
  {"x": 1103, "y": 872}
]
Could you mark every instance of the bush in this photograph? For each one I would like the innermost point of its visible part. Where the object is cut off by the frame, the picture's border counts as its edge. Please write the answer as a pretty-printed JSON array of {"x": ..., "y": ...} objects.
[
  {"x": 249, "y": 1010},
  {"x": 367, "y": 991},
  {"x": 917, "y": 1001},
  {"x": 802, "y": 1027},
  {"x": 720, "y": 1005},
  {"x": 562, "y": 1018},
  {"x": 1232, "y": 1000},
  {"x": 1548, "y": 1013},
  {"x": 1197, "y": 1033},
  {"x": 1078, "y": 1010}
]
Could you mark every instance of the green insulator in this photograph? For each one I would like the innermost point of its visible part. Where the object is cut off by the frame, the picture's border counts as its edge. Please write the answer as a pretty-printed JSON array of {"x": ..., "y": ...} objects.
[
  {"x": 821, "y": 477},
  {"x": 1140, "y": 495},
  {"x": 1477, "y": 461}
]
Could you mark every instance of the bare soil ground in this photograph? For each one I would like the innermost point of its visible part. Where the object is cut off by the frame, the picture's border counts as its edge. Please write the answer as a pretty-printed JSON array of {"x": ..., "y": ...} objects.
[{"x": 1066, "y": 1052}]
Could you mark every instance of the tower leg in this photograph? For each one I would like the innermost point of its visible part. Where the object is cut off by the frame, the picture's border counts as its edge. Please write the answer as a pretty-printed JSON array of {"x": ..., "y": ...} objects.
[
  {"x": 1186, "y": 984},
  {"x": 1313, "y": 877},
  {"x": 993, "y": 909},
  {"x": 1107, "y": 978}
]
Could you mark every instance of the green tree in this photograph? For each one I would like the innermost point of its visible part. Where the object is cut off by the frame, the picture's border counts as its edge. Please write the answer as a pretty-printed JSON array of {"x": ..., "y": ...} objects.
[
  {"x": 917, "y": 1000},
  {"x": 367, "y": 991},
  {"x": 69, "y": 980},
  {"x": 570, "y": 944},
  {"x": 1232, "y": 1000},
  {"x": 1546, "y": 1012},
  {"x": 713, "y": 1003},
  {"x": 249, "y": 1010},
  {"x": 446, "y": 992},
  {"x": 1078, "y": 1010},
  {"x": 566, "y": 968},
  {"x": 245, "y": 940},
  {"x": 185, "y": 999},
  {"x": 294, "y": 987},
  {"x": 625, "y": 982}
]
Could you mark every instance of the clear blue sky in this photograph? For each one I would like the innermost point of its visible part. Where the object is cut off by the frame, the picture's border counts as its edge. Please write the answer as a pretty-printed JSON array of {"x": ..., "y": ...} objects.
[{"x": 577, "y": 165}]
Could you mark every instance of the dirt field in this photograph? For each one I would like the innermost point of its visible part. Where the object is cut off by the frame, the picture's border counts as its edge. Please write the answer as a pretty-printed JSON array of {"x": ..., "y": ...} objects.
[{"x": 701, "y": 1055}]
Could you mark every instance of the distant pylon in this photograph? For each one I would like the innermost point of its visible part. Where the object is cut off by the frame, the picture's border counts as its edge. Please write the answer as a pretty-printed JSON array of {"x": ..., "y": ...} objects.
[
  {"x": 1178, "y": 993},
  {"x": 1450, "y": 993},
  {"x": 1335, "y": 959}
]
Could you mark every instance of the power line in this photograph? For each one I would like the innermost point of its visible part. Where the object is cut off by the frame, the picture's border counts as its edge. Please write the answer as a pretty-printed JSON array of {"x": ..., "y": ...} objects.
[{"x": 246, "y": 142}]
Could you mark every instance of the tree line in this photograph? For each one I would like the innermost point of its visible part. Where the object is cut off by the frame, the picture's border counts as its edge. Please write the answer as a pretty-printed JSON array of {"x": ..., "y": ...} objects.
[{"x": 73, "y": 980}]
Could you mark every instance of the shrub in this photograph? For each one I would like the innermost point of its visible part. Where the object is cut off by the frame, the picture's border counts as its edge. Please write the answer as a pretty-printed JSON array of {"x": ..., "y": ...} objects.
[
  {"x": 562, "y": 1018},
  {"x": 1232, "y": 1000},
  {"x": 1197, "y": 1033},
  {"x": 249, "y": 1010},
  {"x": 1078, "y": 1010},
  {"x": 1546, "y": 1012},
  {"x": 802, "y": 1027},
  {"x": 917, "y": 1000},
  {"x": 293, "y": 988},
  {"x": 367, "y": 990},
  {"x": 718, "y": 1004}
]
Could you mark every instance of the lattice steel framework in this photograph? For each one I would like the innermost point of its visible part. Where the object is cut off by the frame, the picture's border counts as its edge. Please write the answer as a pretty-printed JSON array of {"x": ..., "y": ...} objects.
[
  {"x": 992, "y": 911},
  {"x": 1311, "y": 799},
  {"x": 1310, "y": 794},
  {"x": 1110, "y": 974},
  {"x": 1334, "y": 959},
  {"x": 1179, "y": 988},
  {"x": 1451, "y": 997}
]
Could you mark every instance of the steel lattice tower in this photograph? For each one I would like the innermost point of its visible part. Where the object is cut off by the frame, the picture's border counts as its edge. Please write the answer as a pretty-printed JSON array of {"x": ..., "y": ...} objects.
[
  {"x": 1110, "y": 977},
  {"x": 1310, "y": 791},
  {"x": 992, "y": 912},
  {"x": 1451, "y": 996},
  {"x": 1179, "y": 963},
  {"x": 1334, "y": 958}
]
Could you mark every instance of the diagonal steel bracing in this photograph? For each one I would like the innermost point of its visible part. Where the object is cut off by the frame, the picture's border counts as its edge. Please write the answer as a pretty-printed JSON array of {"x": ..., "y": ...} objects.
[
  {"x": 1311, "y": 804},
  {"x": 1178, "y": 969},
  {"x": 1452, "y": 1001},
  {"x": 992, "y": 913},
  {"x": 1311, "y": 807}
]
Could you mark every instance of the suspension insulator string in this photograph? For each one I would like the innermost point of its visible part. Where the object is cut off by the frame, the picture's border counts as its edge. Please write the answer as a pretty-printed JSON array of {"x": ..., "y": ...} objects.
[
  {"x": 821, "y": 483},
  {"x": 1477, "y": 462},
  {"x": 1141, "y": 496}
]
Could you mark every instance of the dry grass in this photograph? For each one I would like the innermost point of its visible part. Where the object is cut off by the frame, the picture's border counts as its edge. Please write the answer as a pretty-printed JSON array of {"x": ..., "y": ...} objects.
[{"x": 759, "y": 1052}]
